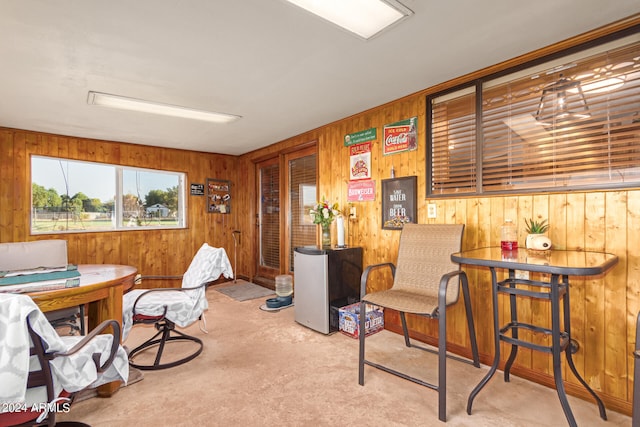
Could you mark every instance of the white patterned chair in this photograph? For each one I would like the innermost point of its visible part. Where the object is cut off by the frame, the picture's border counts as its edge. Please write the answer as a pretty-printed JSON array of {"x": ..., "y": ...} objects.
[
  {"x": 167, "y": 308},
  {"x": 40, "y": 370}
]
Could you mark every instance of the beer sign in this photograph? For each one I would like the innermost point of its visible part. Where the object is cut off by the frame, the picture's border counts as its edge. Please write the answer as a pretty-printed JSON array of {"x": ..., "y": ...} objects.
[
  {"x": 360, "y": 161},
  {"x": 399, "y": 202}
]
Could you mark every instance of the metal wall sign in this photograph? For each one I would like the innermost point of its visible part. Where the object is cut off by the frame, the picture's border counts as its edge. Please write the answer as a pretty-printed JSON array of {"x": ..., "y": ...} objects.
[
  {"x": 400, "y": 136},
  {"x": 360, "y": 137},
  {"x": 197, "y": 189}
]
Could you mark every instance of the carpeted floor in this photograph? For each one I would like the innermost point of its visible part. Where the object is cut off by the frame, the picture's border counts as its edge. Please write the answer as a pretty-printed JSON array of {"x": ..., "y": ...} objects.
[
  {"x": 264, "y": 369},
  {"x": 135, "y": 375}
]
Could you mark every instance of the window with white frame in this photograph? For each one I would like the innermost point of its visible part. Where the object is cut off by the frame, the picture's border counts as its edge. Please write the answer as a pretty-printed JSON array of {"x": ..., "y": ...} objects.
[
  {"x": 77, "y": 196},
  {"x": 572, "y": 123}
]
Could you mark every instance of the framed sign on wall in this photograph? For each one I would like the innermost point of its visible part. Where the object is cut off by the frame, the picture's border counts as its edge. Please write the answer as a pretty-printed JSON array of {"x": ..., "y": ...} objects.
[
  {"x": 399, "y": 202},
  {"x": 218, "y": 196}
]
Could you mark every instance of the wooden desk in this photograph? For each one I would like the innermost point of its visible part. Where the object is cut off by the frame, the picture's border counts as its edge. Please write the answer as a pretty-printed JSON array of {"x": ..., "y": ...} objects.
[
  {"x": 559, "y": 265},
  {"x": 101, "y": 286}
]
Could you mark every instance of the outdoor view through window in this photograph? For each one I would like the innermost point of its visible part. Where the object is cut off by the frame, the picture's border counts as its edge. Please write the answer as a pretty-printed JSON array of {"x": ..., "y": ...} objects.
[{"x": 75, "y": 196}]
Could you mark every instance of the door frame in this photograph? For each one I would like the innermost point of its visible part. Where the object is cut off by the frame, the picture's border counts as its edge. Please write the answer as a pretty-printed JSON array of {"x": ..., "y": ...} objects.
[{"x": 266, "y": 276}]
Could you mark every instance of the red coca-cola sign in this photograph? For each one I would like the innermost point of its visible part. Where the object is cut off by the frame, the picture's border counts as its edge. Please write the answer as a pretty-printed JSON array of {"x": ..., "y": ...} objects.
[{"x": 400, "y": 136}]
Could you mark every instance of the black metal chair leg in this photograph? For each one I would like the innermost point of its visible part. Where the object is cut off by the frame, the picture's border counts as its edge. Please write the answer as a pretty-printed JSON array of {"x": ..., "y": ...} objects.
[
  {"x": 361, "y": 338},
  {"x": 442, "y": 362},
  {"x": 165, "y": 330},
  {"x": 405, "y": 330}
]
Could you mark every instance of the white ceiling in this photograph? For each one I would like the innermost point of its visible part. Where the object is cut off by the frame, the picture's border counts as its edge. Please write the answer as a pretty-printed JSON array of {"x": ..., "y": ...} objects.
[{"x": 282, "y": 69}]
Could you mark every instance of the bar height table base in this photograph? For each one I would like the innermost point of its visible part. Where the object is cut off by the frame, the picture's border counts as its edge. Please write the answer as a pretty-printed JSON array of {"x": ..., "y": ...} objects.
[
  {"x": 558, "y": 265},
  {"x": 554, "y": 291}
]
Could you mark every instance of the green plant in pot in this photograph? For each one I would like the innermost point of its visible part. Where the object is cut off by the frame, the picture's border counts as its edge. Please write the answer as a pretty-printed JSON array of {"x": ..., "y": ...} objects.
[{"x": 535, "y": 238}]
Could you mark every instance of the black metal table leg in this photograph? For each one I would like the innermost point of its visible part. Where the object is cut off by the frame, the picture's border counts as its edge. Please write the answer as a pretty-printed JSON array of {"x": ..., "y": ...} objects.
[
  {"x": 514, "y": 331},
  {"x": 570, "y": 350},
  {"x": 556, "y": 349},
  {"x": 496, "y": 341}
]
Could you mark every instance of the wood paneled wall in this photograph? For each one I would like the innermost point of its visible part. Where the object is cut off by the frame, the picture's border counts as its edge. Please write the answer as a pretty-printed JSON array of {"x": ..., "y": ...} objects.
[
  {"x": 603, "y": 309},
  {"x": 153, "y": 252}
]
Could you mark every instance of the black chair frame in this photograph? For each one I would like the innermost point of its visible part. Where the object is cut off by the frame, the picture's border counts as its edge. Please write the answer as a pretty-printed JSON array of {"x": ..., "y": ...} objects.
[
  {"x": 44, "y": 376},
  {"x": 440, "y": 315},
  {"x": 166, "y": 331}
]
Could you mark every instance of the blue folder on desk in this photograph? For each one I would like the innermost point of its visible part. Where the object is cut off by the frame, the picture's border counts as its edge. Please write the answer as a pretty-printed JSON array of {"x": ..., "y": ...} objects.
[{"x": 37, "y": 275}]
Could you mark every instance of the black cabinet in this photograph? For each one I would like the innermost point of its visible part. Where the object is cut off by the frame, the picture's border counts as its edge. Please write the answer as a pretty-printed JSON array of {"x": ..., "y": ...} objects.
[{"x": 324, "y": 281}]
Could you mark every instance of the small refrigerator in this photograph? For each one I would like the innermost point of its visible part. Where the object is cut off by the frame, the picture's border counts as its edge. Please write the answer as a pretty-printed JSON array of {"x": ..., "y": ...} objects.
[{"x": 324, "y": 281}]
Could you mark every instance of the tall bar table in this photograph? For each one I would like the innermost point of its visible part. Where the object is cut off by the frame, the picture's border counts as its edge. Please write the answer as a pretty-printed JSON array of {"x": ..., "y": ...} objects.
[{"x": 559, "y": 265}]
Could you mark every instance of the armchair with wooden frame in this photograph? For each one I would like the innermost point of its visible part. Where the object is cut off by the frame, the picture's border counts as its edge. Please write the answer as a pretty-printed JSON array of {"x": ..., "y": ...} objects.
[{"x": 425, "y": 283}]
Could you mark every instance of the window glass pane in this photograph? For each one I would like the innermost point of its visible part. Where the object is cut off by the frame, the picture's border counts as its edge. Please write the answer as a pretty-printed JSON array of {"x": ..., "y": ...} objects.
[
  {"x": 270, "y": 216},
  {"x": 454, "y": 143},
  {"x": 571, "y": 128},
  {"x": 302, "y": 184},
  {"x": 150, "y": 198},
  {"x": 75, "y": 196},
  {"x": 71, "y": 196},
  {"x": 572, "y": 123}
]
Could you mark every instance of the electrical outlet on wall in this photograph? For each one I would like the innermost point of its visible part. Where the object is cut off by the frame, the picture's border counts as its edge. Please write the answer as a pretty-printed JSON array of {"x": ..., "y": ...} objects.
[
  {"x": 352, "y": 212},
  {"x": 524, "y": 275},
  {"x": 431, "y": 210}
]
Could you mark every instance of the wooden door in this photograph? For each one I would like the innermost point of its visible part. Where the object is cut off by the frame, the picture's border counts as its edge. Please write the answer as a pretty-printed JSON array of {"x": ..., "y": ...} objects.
[{"x": 286, "y": 190}]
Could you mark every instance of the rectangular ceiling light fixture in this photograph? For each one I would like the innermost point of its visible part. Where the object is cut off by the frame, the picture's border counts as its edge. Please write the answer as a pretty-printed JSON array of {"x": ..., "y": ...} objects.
[
  {"x": 366, "y": 18},
  {"x": 124, "y": 103}
]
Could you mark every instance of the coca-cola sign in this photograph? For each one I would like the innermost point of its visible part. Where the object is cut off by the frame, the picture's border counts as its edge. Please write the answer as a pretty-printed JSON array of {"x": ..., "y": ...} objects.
[{"x": 400, "y": 136}]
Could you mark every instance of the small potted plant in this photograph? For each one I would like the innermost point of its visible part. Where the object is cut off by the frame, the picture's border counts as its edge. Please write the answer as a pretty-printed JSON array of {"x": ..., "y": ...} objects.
[{"x": 535, "y": 230}]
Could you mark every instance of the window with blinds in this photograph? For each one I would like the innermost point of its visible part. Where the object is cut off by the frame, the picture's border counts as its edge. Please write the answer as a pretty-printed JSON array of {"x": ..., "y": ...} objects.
[
  {"x": 573, "y": 123},
  {"x": 302, "y": 198},
  {"x": 270, "y": 216},
  {"x": 453, "y": 154}
]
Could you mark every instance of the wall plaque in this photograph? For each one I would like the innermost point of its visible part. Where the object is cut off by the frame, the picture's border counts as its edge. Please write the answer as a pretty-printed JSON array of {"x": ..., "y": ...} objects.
[
  {"x": 197, "y": 189},
  {"x": 218, "y": 196},
  {"x": 399, "y": 202}
]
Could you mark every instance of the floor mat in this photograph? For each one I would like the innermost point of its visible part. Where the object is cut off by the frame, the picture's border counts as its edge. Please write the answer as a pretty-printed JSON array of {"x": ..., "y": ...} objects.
[{"x": 243, "y": 290}]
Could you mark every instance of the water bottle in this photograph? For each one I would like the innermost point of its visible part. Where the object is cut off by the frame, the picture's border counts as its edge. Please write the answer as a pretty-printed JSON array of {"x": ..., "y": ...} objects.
[
  {"x": 508, "y": 236},
  {"x": 284, "y": 285}
]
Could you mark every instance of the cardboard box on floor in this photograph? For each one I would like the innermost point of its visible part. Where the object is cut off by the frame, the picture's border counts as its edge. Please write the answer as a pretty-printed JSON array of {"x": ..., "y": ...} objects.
[{"x": 350, "y": 320}]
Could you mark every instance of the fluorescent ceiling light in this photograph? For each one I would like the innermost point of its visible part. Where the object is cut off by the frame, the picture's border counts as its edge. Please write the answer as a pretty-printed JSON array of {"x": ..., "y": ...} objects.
[
  {"x": 366, "y": 18},
  {"x": 124, "y": 103}
]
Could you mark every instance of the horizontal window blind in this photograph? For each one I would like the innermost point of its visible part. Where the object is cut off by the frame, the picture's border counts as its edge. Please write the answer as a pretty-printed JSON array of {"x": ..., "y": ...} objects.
[
  {"x": 573, "y": 126},
  {"x": 302, "y": 198},
  {"x": 454, "y": 144},
  {"x": 270, "y": 216}
]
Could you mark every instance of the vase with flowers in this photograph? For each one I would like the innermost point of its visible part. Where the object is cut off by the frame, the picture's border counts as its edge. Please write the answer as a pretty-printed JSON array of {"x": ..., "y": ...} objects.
[{"x": 324, "y": 213}]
